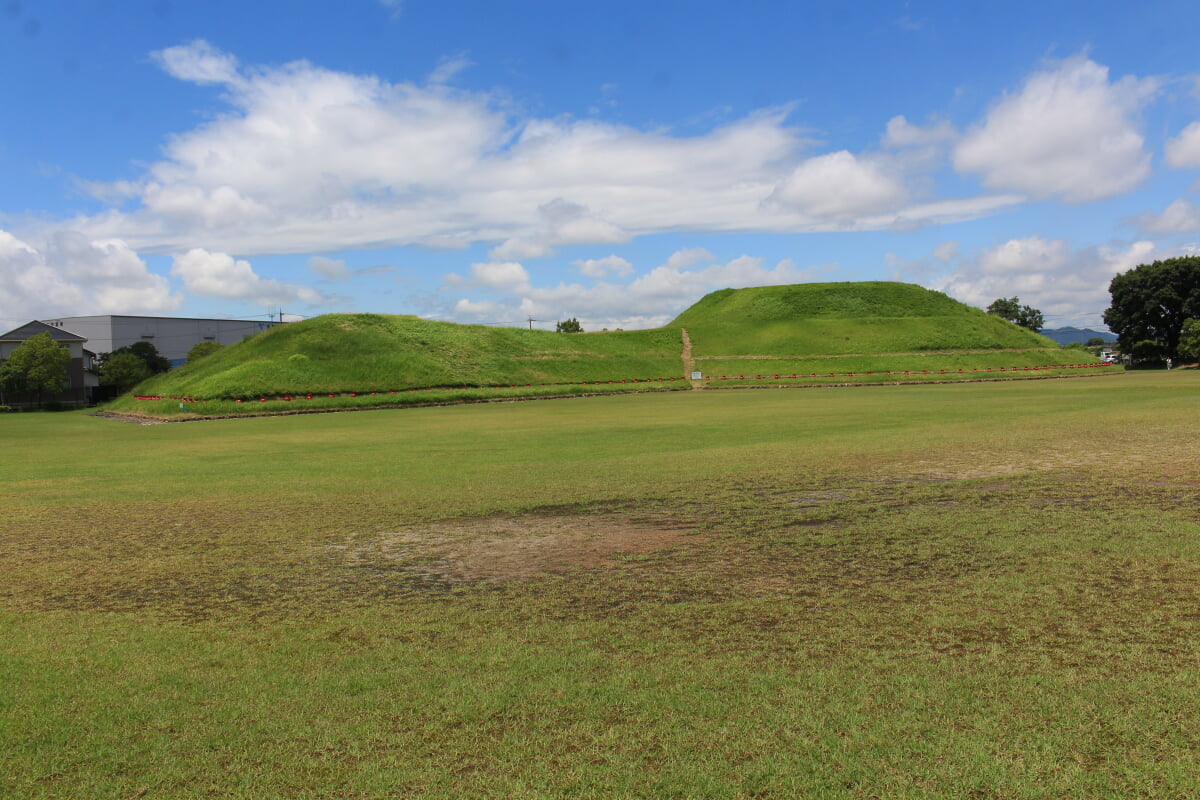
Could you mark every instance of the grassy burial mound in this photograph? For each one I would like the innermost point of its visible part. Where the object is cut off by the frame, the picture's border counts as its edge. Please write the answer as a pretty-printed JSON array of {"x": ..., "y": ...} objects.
[
  {"x": 371, "y": 359},
  {"x": 803, "y": 334},
  {"x": 852, "y": 329},
  {"x": 845, "y": 318}
]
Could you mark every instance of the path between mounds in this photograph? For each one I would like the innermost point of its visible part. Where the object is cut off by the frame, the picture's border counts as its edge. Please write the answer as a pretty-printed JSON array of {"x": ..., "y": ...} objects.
[{"x": 689, "y": 363}]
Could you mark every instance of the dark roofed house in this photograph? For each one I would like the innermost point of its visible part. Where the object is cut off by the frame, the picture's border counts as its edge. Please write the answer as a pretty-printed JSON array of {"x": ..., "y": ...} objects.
[{"x": 80, "y": 382}]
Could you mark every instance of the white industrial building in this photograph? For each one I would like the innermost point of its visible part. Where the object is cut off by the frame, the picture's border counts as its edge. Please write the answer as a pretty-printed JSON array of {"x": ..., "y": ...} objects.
[
  {"x": 172, "y": 337},
  {"x": 86, "y": 337}
]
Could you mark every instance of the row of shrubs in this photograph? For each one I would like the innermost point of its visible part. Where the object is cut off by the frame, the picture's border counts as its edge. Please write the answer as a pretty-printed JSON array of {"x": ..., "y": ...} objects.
[{"x": 50, "y": 406}]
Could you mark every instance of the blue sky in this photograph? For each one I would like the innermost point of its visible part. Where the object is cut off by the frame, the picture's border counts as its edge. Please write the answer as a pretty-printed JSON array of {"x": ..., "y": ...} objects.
[{"x": 611, "y": 161}]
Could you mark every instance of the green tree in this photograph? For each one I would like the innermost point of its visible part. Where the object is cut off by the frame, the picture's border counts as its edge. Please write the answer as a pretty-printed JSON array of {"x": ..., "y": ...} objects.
[
  {"x": 145, "y": 351},
  {"x": 123, "y": 370},
  {"x": 1146, "y": 350},
  {"x": 569, "y": 326},
  {"x": 12, "y": 379},
  {"x": 1189, "y": 340},
  {"x": 1095, "y": 341},
  {"x": 39, "y": 365},
  {"x": 1010, "y": 308},
  {"x": 203, "y": 349},
  {"x": 1151, "y": 303}
]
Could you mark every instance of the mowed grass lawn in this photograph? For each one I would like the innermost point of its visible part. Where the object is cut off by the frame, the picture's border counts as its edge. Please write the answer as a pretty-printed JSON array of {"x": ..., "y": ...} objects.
[{"x": 979, "y": 590}]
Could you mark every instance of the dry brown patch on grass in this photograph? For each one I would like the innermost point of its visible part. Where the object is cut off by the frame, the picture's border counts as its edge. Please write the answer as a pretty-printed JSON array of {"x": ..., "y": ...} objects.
[
  {"x": 1011, "y": 457},
  {"x": 819, "y": 497},
  {"x": 129, "y": 416},
  {"x": 506, "y": 548}
]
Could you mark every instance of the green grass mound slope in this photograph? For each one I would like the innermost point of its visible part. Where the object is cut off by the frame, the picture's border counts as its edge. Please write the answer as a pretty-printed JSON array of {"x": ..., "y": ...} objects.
[
  {"x": 843, "y": 319},
  {"x": 804, "y": 334},
  {"x": 378, "y": 358},
  {"x": 875, "y": 332}
]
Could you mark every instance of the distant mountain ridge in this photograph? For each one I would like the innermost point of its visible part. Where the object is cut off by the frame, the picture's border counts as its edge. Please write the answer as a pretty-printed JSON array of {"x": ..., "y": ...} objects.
[{"x": 1081, "y": 335}]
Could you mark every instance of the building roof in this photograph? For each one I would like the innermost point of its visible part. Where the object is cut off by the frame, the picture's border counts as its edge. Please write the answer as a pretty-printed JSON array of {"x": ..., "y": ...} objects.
[
  {"x": 31, "y": 329},
  {"x": 150, "y": 316}
]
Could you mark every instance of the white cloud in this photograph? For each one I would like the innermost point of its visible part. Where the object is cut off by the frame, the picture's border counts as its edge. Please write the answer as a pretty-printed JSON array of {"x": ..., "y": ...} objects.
[
  {"x": 198, "y": 62},
  {"x": 902, "y": 133},
  {"x": 840, "y": 186},
  {"x": 518, "y": 248},
  {"x": 589, "y": 230},
  {"x": 915, "y": 151},
  {"x": 1070, "y": 287},
  {"x": 602, "y": 267},
  {"x": 220, "y": 275},
  {"x": 504, "y": 276},
  {"x": 306, "y": 159},
  {"x": 377, "y": 269},
  {"x": 941, "y": 212},
  {"x": 1184, "y": 150},
  {"x": 448, "y": 67},
  {"x": 1179, "y": 217},
  {"x": 216, "y": 207},
  {"x": 1069, "y": 133},
  {"x": 395, "y": 6},
  {"x": 648, "y": 301},
  {"x": 476, "y": 309},
  {"x": 72, "y": 276},
  {"x": 334, "y": 269},
  {"x": 946, "y": 252},
  {"x": 1033, "y": 256},
  {"x": 560, "y": 222},
  {"x": 312, "y": 159},
  {"x": 682, "y": 259}
]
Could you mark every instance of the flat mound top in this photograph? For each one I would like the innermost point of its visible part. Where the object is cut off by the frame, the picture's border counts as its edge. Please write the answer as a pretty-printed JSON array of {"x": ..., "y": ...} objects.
[{"x": 850, "y": 300}]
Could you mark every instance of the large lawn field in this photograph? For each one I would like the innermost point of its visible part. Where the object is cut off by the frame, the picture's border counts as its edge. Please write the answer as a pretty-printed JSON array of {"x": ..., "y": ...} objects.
[{"x": 985, "y": 590}]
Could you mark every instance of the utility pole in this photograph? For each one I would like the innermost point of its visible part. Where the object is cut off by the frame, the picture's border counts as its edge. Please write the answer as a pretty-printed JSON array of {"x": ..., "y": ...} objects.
[{"x": 531, "y": 321}]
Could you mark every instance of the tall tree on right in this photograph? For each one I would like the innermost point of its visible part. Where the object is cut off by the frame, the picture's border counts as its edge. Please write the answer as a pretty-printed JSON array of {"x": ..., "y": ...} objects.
[
  {"x": 1189, "y": 340},
  {"x": 1151, "y": 303}
]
